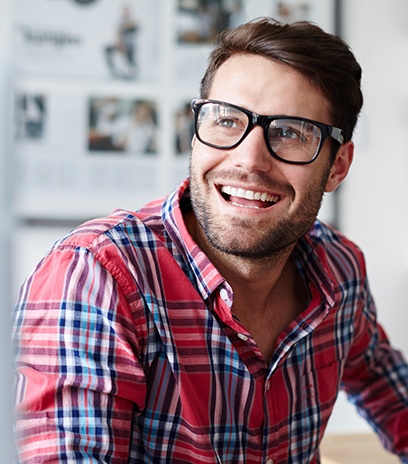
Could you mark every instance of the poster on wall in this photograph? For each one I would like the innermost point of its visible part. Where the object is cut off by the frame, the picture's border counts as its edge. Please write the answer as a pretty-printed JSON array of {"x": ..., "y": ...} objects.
[
  {"x": 80, "y": 154},
  {"x": 99, "y": 39},
  {"x": 30, "y": 116},
  {"x": 103, "y": 92},
  {"x": 199, "y": 21}
]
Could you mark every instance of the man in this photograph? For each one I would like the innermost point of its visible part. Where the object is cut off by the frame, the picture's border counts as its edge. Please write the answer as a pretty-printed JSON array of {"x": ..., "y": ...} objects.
[{"x": 218, "y": 324}]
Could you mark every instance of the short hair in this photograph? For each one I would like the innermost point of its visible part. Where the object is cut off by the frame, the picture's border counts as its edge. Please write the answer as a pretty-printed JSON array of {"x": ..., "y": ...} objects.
[{"x": 322, "y": 57}]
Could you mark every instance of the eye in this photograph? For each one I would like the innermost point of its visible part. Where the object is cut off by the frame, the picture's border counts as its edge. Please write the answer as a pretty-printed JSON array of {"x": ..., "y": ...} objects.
[
  {"x": 288, "y": 133},
  {"x": 227, "y": 123},
  {"x": 232, "y": 125}
]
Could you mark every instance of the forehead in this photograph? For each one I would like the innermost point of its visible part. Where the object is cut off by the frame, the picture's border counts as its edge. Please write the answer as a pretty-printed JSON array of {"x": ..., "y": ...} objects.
[{"x": 265, "y": 86}]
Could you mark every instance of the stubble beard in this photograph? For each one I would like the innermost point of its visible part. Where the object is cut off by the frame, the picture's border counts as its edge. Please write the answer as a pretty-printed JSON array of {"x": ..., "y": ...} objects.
[{"x": 242, "y": 238}]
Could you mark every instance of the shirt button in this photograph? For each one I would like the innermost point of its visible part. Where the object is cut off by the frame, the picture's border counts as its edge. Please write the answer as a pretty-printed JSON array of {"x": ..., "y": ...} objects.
[
  {"x": 242, "y": 337},
  {"x": 224, "y": 294},
  {"x": 269, "y": 461}
]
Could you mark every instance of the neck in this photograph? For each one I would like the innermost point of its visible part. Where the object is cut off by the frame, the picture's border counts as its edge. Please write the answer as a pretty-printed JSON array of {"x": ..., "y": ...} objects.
[{"x": 247, "y": 276}]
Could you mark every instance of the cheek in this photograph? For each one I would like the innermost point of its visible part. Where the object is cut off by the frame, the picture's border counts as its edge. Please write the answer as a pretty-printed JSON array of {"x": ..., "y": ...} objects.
[
  {"x": 198, "y": 166},
  {"x": 202, "y": 159},
  {"x": 307, "y": 182},
  {"x": 296, "y": 176}
]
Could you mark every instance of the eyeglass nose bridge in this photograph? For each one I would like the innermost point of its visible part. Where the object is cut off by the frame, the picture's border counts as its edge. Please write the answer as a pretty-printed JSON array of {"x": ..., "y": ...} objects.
[
  {"x": 258, "y": 120},
  {"x": 264, "y": 122}
]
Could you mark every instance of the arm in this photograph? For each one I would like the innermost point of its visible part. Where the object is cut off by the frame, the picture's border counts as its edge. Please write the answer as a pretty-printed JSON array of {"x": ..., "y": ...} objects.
[
  {"x": 79, "y": 380},
  {"x": 376, "y": 380}
]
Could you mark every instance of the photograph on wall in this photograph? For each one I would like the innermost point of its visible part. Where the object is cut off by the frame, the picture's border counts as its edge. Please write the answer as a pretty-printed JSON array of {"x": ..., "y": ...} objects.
[
  {"x": 289, "y": 11},
  {"x": 184, "y": 128},
  {"x": 199, "y": 21},
  {"x": 50, "y": 120},
  {"x": 122, "y": 125},
  {"x": 30, "y": 116},
  {"x": 122, "y": 53},
  {"x": 114, "y": 40}
]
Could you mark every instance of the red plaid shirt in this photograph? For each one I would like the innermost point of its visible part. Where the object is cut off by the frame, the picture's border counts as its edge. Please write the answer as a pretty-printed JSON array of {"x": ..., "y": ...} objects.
[{"x": 127, "y": 352}]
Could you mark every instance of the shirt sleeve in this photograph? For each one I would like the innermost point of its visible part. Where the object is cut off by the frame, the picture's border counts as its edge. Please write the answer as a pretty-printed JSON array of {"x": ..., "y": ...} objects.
[
  {"x": 376, "y": 380},
  {"x": 79, "y": 380}
]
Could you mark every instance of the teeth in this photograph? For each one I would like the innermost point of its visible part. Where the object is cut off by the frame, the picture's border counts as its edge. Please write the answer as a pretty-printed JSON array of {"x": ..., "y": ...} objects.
[
  {"x": 241, "y": 206},
  {"x": 241, "y": 193},
  {"x": 249, "y": 194}
]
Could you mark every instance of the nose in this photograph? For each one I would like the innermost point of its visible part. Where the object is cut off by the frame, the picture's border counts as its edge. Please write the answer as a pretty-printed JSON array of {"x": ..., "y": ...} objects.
[{"x": 252, "y": 153}]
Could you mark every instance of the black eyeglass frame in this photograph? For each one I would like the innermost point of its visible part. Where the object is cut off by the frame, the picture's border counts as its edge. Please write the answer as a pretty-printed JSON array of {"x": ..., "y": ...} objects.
[{"x": 255, "y": 119}]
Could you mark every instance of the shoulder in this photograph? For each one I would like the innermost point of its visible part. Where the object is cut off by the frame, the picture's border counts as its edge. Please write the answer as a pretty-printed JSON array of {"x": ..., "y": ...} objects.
[
  {"x": 116, "y": 228},
  {"x": 116, "y": 242},
  {"x": 109, "y": 251},
  {"x": 90, "y": 231},
  {"x": 323, "y": 233}
]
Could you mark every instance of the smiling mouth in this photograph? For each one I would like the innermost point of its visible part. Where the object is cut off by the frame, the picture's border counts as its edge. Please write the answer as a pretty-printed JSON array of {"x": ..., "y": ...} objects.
[{"x": 248, "y": 198}]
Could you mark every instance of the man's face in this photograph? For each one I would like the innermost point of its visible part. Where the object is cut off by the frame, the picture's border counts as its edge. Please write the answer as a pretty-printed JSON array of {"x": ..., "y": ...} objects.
[{"x": 226, "y": 184}]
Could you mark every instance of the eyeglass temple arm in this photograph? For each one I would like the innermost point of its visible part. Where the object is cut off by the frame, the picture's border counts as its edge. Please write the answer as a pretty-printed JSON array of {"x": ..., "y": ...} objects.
[{"x": 338, "y": 135}]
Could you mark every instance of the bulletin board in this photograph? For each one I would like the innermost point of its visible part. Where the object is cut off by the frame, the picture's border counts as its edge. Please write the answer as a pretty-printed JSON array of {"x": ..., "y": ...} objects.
[{"x": 103, "y": 88}]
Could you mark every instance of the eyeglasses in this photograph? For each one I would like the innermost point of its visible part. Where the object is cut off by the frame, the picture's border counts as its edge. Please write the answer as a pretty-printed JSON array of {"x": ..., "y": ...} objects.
[{"x": 290, "y": 139}]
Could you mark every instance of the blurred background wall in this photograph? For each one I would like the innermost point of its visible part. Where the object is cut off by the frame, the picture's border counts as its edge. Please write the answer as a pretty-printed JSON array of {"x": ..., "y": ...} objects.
[
  {"x": 374, "y": 198},
  {"x": 65, "y": 170}
]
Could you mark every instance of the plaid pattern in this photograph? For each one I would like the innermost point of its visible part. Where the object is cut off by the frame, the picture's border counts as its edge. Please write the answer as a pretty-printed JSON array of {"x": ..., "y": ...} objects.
[{"x": 127, "y": 352}]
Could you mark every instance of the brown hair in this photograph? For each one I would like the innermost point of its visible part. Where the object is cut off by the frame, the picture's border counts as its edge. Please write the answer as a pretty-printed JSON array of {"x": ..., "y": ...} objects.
[{"x": 324, "y": 58}]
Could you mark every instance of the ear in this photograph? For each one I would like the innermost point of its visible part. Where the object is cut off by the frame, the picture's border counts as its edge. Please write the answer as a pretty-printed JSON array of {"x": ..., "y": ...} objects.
[{"x": 340, "y": 167}]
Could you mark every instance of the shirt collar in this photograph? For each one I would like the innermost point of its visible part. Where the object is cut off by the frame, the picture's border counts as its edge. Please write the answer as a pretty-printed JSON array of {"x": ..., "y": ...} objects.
[
  {"x": 309, "y": 255},
  {"x": 207, "y": 277}
]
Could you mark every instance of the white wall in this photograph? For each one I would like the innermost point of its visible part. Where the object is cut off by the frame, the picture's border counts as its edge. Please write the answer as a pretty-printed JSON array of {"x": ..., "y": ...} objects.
[{"x": 374, "y": 198}]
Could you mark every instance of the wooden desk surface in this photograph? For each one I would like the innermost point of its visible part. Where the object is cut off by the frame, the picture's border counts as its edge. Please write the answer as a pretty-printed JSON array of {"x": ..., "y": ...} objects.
[{"x": 355, "y": 449}]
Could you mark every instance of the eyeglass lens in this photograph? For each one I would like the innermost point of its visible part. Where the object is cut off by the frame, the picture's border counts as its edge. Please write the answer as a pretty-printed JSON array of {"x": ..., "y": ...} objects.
[{"x": 224, "y": 126}]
